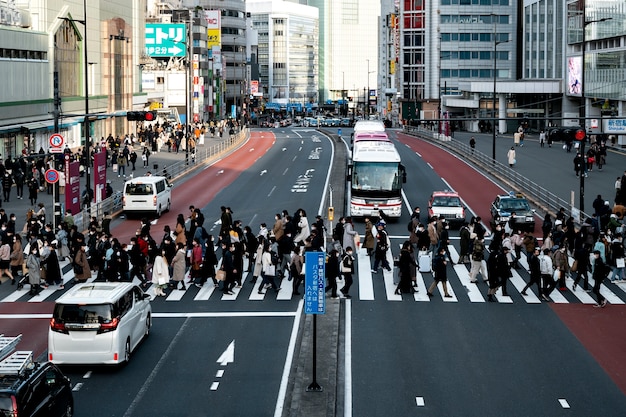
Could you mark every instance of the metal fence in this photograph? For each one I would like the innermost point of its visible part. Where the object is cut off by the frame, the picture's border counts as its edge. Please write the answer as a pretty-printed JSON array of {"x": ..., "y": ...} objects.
[
  {"x": 174, "y": 171},
  {"x": 544, "y": 200}
]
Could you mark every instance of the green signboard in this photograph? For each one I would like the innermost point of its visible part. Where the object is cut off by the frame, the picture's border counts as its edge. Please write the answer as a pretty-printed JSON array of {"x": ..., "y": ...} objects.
[{"x": 165, "y": 39}]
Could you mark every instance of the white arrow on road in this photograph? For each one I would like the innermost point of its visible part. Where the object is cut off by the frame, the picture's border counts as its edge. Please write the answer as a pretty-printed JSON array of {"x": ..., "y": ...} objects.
[
  {"x": 264, "y": 172},
  {"x": 228, "y": 356}
]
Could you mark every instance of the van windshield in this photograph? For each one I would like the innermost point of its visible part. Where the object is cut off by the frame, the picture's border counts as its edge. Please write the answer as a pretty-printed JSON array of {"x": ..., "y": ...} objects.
[
  {"x": 139, "y": 189},
  {"x": 83, "y": 314}
]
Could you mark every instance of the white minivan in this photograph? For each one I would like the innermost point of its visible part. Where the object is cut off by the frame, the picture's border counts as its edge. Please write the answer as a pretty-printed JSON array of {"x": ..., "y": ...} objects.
[
  {"x": 152, "y": 194},
  {"x": 98, "y": 323}
]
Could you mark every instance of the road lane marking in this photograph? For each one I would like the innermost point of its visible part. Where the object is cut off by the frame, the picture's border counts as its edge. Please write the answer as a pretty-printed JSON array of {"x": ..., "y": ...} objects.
[
  {"x": 564, "y": 403},
  {"x": 348, "y": 360},
  {"x": 473, "y": 292},
  {"x": 419, "y": 401},
  {"x": 366, "y": 286},
  {"x": 282, "y": 392},
  {"x": 155, "y": 371}
]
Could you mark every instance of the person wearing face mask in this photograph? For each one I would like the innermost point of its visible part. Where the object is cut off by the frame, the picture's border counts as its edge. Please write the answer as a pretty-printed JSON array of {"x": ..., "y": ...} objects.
[
  {"x": 34, "y": 267},
  {"x": 444, "y": 240},
  {"x": 17, "y": 257},
  {"x": 347, "y": 269},
  {"x": 5, "y": 259},
  {"x": 11, "y": 224}
]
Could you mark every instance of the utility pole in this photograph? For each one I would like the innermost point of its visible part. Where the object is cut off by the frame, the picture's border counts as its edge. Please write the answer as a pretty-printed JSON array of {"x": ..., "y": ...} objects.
[{"x": 56, "y": 114}]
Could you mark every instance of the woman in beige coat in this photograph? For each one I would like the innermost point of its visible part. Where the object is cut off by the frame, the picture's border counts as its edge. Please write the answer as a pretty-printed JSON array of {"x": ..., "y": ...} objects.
[{"x": 179, "y": 267}]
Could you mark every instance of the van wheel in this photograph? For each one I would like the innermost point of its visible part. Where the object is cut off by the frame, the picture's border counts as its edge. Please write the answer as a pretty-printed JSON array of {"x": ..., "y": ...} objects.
[
  {"x": 127, "y": 351},
  {"x": 69, "y": 411},
  {"x": 158, "y": 213},
  {"x": 148, "y": 324}
]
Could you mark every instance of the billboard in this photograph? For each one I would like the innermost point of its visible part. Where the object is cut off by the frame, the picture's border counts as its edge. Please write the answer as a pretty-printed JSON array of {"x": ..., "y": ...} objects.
[
  {"x": 166, "y": 39},
  {"x": 213, "y": 28},
  {"x": 574, "y": 75}
]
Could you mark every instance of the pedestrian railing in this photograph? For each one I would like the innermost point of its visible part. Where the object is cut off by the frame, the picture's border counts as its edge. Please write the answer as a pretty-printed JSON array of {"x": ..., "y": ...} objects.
[
  {"x": 173, "y": 171},
  {"x": 541, "y": 198}
]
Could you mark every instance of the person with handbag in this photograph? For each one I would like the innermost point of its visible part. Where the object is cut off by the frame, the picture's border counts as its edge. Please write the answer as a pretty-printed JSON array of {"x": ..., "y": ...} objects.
[
  {"x": 160, "y": 275},
  {"x": 268, "y": 271},
  {"x": 178, "y": 267},
  {"x": 209, "y": 262},
  {"x": 82, "y": 272}
]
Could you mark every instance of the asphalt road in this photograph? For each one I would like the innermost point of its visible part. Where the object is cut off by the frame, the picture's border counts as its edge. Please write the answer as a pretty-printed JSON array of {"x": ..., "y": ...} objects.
[{"x": 401, "y": 355}]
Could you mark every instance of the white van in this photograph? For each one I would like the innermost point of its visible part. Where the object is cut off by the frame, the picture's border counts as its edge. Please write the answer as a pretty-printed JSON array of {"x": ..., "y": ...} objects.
[
  {"x": 147, "y": 195},
  {"x": 98, "y": 323}
]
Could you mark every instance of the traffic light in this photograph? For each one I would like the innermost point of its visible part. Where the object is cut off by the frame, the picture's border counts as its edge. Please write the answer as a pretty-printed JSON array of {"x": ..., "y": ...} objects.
[
  {"x": 150, "y": 116},
  {"x": 579, "y": 135},
  {"x": 141, "y": 116}
]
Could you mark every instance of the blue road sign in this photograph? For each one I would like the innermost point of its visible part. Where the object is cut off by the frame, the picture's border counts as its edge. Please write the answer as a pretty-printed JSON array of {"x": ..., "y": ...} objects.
[
  {"x": 315, "y": 283},
  {"x": 166, "y": 39}
]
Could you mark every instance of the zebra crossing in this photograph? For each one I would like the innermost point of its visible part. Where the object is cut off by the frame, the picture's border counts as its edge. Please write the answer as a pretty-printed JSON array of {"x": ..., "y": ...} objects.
[{"x": 368, "y": 286}]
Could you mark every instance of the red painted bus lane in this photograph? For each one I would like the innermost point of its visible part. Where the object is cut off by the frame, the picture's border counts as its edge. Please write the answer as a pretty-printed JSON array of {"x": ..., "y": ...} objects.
[
  {"x": 601, "y": 331},
  {"x": 475, "y": 189},
  {"x": 205, "y": 185}
]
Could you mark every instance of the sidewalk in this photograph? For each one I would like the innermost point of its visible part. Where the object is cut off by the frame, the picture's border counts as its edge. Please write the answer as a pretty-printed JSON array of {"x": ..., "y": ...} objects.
[{"x": 159, "y": 159}]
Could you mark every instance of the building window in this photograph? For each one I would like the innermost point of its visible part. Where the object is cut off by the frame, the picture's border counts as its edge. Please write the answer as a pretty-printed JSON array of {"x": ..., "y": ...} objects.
[{"x": 67, "y": 60}]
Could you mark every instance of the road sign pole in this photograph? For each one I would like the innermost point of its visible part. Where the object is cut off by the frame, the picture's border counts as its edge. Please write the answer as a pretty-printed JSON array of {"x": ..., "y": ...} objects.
[
  {"x": 314, "y": 301},
  {"x": 314, "y": 386}
]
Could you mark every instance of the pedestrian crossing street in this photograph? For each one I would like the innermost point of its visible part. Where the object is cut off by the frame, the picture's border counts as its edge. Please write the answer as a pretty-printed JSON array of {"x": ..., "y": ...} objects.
[{"x": 367, "y": 286}]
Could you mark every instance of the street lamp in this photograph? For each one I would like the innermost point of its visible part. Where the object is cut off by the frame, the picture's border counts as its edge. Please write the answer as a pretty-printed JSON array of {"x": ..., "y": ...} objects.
[
  {"x": 86, "y": 70},
  {"x": 367, "y": 95},
  {"x": 495, "y": 74},
  {"x": 583, "y": 110}
]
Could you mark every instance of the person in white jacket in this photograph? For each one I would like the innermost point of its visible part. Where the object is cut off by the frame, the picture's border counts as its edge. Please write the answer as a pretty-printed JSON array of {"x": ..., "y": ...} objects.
[
  {"x": 303, "y": 227},
  {"x": 160, "y": 275}
]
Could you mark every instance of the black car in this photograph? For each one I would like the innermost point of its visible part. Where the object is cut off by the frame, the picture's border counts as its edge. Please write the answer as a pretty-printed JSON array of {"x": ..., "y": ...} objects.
[
  {"x": 507, "y": 205},
  {"x": 32, "y": 389}
]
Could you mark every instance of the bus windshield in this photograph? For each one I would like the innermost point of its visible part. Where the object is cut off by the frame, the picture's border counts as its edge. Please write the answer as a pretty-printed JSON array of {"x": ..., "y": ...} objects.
[{"x": 380, "y": 176}]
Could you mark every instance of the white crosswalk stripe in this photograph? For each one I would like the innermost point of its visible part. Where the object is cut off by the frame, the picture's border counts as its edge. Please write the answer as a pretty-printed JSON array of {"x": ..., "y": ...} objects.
[{"x": 369, "y": 286}]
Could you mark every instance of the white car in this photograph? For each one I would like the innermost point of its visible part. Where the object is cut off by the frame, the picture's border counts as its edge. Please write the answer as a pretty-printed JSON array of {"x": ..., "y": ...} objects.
[{"x": 99, "y": 323}]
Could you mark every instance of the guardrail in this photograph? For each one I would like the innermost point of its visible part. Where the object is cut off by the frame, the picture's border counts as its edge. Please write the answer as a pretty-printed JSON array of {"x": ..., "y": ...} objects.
[
  {"x": 176, "y": 170},
  {"x": 543, "y": 199}
]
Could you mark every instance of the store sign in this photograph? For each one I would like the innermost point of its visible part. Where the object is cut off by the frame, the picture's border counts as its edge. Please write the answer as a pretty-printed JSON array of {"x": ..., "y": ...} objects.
[
  {"x": 615, "y": 126},
  {"x": 165, "y": 39}
]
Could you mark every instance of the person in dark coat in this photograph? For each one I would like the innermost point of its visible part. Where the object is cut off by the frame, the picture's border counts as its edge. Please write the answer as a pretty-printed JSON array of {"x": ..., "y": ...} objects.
[
  {"x": 405, "y": 263},
  {"x": 380, "y": 253},
  {"x": 599, "y": 273},
  {"x": 53, "y": 270},
  {"x": 581, "y": 257},
  {"x": 440, "y": 272},
  {"x": 499, "y": 271},
  {"x": 332, "y": 272},
  {"x": 535, "y": 271}
]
